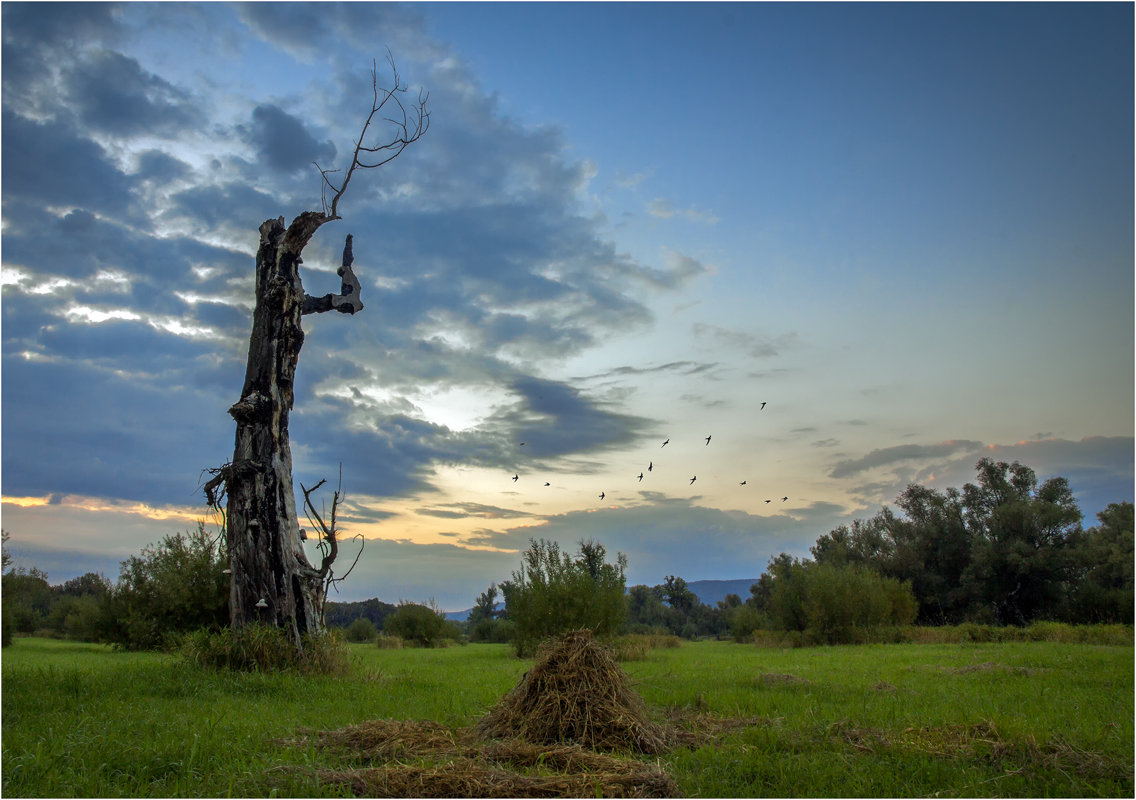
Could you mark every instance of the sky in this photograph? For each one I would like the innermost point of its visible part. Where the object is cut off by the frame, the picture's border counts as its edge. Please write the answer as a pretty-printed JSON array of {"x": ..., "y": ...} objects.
[{"x": 858, "y": 246}]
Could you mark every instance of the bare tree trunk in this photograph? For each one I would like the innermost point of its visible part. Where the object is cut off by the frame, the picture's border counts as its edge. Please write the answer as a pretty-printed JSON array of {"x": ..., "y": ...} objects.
[{"x": 272, "y": 581}]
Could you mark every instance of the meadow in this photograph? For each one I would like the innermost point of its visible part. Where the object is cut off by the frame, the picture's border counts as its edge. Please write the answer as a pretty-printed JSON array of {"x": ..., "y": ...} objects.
[{"x": 1025, "y": 719}]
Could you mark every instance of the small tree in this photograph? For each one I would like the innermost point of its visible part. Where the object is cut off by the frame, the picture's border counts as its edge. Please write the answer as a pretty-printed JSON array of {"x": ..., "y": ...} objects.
[{"x": 553, "y": 593}]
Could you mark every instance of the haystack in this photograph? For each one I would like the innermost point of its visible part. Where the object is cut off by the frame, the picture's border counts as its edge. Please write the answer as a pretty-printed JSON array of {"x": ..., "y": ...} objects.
[{"x": 576, "y": 692}]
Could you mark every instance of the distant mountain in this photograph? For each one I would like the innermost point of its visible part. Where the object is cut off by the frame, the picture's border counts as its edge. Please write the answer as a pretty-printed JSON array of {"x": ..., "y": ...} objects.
[
  {"x": 710, "y": 592},
  {"x": 462, "y": 616}
]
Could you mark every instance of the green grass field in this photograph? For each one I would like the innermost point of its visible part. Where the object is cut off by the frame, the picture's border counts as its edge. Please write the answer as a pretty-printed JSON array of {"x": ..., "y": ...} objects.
[{"x": 1008, "y": 719}]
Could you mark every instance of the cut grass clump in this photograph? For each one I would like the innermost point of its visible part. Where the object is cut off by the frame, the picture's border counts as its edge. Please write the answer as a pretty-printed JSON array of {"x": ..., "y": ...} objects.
[
  {"x": 264, "y": 648},
  {"x": 576, "y": 692}
]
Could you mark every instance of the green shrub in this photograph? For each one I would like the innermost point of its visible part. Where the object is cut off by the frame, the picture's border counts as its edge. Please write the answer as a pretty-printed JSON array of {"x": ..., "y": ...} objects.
[
  {"x": 422, "y": 625},
  {"x": 264, "y": 648},
  {"x": 170, "y": 589},
  {"x": 361, "y": 630}
]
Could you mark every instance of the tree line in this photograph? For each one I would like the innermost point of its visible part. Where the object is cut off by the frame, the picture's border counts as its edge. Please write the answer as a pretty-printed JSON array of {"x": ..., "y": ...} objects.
[{"x": 1003, "y": 550}]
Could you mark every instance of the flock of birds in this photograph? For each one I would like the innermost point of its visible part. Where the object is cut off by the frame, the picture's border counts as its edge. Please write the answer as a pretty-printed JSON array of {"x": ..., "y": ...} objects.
[{"x": 651, "y": 467}]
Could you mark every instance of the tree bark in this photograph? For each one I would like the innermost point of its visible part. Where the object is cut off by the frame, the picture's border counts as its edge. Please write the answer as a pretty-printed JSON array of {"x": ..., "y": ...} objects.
[{"x": 272, "y": 581}]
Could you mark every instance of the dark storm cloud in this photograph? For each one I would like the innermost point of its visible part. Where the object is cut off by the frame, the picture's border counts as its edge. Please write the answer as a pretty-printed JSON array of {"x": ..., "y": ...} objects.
[{"x": 283, "y": 142}]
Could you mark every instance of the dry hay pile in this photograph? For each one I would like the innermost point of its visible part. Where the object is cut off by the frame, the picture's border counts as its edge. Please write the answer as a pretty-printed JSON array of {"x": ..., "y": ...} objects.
[{"x": 576, "y": 692}]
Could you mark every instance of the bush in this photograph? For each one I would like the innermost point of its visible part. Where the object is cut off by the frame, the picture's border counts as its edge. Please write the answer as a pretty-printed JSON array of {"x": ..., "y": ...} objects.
[
  {"x": 552, "y": 593},
  {"x": 422, "y": 625},
  {"x": 362, "y": 630},
  {"x": 264, "y": 648},
  {"x": 746, "y": 620},
  {"x": 837, "y": 604},
  {"x": 170, "y": 589}
]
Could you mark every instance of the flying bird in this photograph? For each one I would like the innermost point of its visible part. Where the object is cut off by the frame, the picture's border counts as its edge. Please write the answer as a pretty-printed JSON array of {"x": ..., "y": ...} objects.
[
  {"x": 762, "y": 406},
  {"x": 640, "y": 477},
  {"x": 664, "y": 444},
  {"x": 692, "y": 480},
  {"x": 769, "y": 501},
  {"x": 522, "y": 444},
  {"x": 650, "y": 466},
  {"x": 515, "y": 478},
  {"x": 743, "y": 483},
  {"x": 783, "y": 499},
  {"x": 546, "y": 483},
  {"x": 707, "y": 440},
  {"x": 601, "y": 495}
]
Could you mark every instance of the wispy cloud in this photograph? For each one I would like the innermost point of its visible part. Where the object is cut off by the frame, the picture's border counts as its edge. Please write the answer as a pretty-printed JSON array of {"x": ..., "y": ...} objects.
[
  {"x": 666, "y": 209},
  {"x": 888, "y": 456}
]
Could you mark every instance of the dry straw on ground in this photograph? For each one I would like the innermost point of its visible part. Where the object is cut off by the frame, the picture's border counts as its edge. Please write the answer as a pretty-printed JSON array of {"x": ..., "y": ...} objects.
[{"x": 571, "y": 727}]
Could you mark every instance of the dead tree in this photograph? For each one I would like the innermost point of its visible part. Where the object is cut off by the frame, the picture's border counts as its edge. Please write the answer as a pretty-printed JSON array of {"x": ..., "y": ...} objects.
[{"x": 271, "y": 580}]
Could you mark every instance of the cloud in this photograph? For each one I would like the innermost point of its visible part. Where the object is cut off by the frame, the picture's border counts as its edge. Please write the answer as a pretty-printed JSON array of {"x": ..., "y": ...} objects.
[
  {"x": 751, "y": 344},
  {"x": 283, "y": 143},
  {"x": 112, "y": 94},
  {"x": 467, "y": 510},
  {"x": 664, "y": 208},
  {"x": 889, "y": 456},
  {"x": 1099, "y": 468},
  {"x": 673, "y": 536},
  {"x": 50, "y": 164}
]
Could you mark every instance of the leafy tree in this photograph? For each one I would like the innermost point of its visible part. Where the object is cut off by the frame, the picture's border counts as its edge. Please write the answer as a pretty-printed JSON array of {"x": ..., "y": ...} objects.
[
  {"x": 646, "y": 612},
  {"x": 1021, "y": 564},
  {"x": 177, "y": 586},
  {"x": 29, "y": 597},
  {"x": 421, "y": 624},
  {"x": 552, "y": 593},
  {"x": 485, "y": 623},
  {"x": 1103, "y": 561}
]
